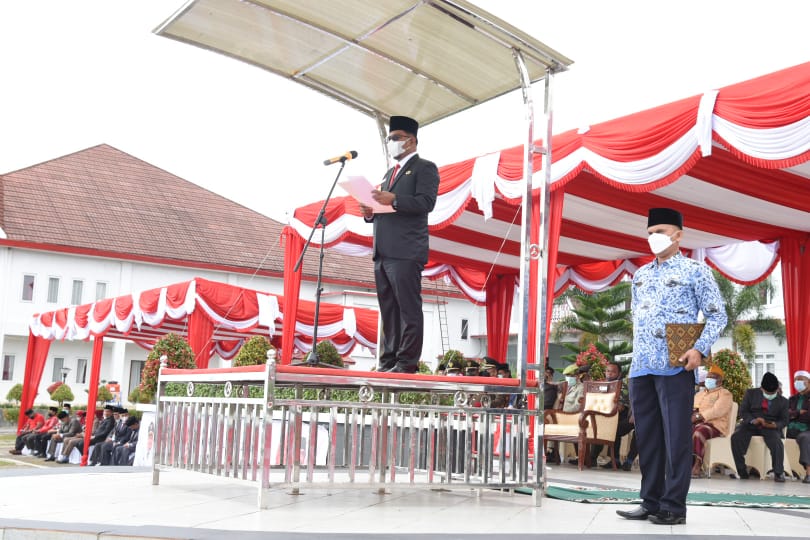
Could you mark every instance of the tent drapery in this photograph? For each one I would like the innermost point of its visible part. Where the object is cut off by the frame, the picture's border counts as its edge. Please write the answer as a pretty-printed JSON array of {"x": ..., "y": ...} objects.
[
  {"x": 214, "y": 317},
  {"x": 734, "y": 161},
  {"x": 35, "y": 364}
]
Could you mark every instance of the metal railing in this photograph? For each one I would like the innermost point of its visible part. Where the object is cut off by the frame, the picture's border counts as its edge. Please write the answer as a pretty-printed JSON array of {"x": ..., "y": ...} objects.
[{"x": 294, "y": 430}]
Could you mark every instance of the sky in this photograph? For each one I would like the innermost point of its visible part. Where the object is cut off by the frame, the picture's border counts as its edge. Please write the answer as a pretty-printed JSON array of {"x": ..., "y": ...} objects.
[{"x": 75, "y": 74}]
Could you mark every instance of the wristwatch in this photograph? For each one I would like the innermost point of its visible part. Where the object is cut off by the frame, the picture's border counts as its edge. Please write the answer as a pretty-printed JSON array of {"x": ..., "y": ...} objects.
[{"x": 394, "y": 203}]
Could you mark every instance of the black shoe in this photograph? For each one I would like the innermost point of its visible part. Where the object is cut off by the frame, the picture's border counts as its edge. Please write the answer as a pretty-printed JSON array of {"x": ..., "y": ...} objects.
[
  {"x": 50, "y": 458},
  {"x": 638, "y": 513},
  {"x": 743, "y": 475},
  {"x": 399, "y": 368},
  {"x": 627, "y": 466},
  {"x": 780, "y": 477},
  {"x": 667, "y": 518},
  {"x": 806, "y": 479},
  {"x": 607, "y": 465}
]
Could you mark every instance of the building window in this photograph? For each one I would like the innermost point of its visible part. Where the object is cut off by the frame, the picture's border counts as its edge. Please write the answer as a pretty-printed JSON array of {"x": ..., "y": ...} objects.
[
  {"x": 58, "y": 364},
  {"x": 81, "y": 370},
  {"x": 28, "y": 288},
  {"x": 465, "y": 329},
  {"x": 8, "y": 367},
  {"x": 76, "y": 296},
  {"x": 53, "y": 290},
  {"x": 101, "y": 290},
  {"x": 762, "y": 363},
  {"x": 135, "y": 369}
]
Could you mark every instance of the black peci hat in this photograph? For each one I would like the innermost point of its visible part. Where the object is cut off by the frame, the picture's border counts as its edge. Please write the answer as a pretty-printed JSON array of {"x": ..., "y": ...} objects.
[
  {"x": 664, "y": 216},
  {"x": 403, "y": 123},
  {"x": 769, "y": 382}
]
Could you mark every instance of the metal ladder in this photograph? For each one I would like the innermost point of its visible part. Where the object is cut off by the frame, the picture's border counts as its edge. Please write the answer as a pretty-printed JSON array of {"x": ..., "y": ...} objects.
[{"x": 444, "y": 330}]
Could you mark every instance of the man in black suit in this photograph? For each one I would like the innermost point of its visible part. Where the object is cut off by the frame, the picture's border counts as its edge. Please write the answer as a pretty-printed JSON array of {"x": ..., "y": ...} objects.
[
  {"x": 764, "y": 412},
  {"x": 401, "y": 245}
]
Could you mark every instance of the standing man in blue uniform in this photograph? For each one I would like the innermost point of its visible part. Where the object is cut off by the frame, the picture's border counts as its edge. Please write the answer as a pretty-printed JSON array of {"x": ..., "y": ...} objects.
[
  {"x": 670, "y": 289},
  {"x": 410, "y": 188}
]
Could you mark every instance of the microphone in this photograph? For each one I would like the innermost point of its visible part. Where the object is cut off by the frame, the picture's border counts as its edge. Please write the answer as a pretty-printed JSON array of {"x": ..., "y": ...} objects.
[{"x": 344, "y": 157}]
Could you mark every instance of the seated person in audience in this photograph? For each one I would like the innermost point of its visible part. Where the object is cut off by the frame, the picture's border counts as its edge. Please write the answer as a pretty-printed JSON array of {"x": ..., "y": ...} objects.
[
  {"x": 39, "y": 440},
  {"x": 489, "y": 367},
  {"x": 763, "y": 413},
  {"x": 124, "y": 453},
  {"x": 442, "y": 369},
  {"x": 799, "y": 419},
  {"x": 575, "y": 395},
  {"x": 102, "y": 428},
  {"x": 102, "y": 452},
  {"x": 550, "y": 389},
  {"x": 471, "y": 369},
  {"x": 613, "y": 372},
  {"x": 710, "y": 416},
  {"x": 68, "y": 428},
  {"x": 34, "y": 422}
]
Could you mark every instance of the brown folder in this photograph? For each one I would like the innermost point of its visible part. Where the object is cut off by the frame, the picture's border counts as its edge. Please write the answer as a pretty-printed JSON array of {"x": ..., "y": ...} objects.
[{"x": 681, "y": 338}]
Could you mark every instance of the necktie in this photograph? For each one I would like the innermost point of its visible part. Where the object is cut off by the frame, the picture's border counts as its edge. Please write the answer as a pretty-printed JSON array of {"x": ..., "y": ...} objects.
[{"x": 393, "y": 177}]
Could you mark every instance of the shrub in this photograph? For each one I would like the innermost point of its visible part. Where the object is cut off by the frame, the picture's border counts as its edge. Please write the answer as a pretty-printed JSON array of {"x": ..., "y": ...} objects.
[
  {"x": 178, "y": 355},
  {"x": 737, "y": 378},
  {"x": 61, "y": 394},
  {"x": 453, "y": 359},
  {"x": 15, "y": 393},
  {"x": 254, "y": 352},
  {"x": 12, "y": 415},
  {"x": 595, "y": 360},
  {"x": 328, "y": 354},
  {"x": 103, "y": 393}
]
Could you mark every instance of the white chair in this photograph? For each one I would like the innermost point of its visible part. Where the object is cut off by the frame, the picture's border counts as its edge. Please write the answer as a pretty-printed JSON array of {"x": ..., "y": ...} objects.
[
  {"x": 718, "y": 449},
  {"x": 792, "y": 458},
  {"x": 759, "y": 457}
]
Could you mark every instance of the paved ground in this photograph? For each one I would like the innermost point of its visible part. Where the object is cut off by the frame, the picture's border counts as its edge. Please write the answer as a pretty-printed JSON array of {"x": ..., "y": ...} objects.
[{"x": 72, "y": 502}]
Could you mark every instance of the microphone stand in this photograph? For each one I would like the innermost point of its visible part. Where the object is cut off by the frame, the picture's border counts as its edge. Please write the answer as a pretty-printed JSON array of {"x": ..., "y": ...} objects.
[{"x": 312, "y": 358}]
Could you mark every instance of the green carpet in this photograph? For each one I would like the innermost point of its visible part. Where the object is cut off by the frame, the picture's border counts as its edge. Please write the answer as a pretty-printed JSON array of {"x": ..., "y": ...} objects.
[{"x": 619, "y": 496}]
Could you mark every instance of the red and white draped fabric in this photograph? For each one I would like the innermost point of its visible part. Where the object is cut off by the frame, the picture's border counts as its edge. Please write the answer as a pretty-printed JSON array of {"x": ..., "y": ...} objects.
[
  {"x": 216, "y": 318},
  {"x": 734, "y": 161}
]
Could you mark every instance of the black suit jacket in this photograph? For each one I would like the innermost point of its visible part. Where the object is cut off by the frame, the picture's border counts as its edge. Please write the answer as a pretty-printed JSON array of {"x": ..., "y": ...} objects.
[
  {"x": 751, "y": 408},
  {"x": 404, "y": 234}
]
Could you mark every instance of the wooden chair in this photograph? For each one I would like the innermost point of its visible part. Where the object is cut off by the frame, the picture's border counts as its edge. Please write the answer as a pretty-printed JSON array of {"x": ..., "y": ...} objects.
[{"x": 596, "y": 423}]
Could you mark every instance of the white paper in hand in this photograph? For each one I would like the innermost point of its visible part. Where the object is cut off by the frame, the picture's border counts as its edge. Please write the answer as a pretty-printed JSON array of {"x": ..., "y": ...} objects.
[{"x": 360, "y": 188}]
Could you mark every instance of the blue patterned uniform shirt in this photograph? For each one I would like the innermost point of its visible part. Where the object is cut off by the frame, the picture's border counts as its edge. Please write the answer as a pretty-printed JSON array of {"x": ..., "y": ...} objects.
[{"x": 672, "y": 292}]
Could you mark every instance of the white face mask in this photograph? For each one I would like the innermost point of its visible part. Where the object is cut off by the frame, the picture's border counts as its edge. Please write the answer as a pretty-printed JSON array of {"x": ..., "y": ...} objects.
[
  {"x": 659, "y": 242},
  {"x": 799, "y": 385},
  {"x": 395, "y": 148},
  {"x": 711, "y": 384},
  {"x": 571, "y": 380}
]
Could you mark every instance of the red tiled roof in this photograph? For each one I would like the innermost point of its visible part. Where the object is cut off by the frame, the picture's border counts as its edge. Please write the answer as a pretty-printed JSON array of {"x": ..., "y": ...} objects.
[{"x": 104, "y": 201}]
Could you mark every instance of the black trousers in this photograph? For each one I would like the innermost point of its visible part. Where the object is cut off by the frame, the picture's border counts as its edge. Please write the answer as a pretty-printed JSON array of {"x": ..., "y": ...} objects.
[
  {"x": 663, "y": 415},
  {"x": 741, "y": 438},
  {"x": 399, "y": 292}
]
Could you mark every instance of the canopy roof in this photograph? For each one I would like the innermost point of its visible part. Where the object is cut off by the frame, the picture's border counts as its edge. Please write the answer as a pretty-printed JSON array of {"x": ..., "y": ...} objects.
[
  {"x": 735, "y": 162},
  {"x": 230, "y": 315},
  {"x": 426, "y": 59}
]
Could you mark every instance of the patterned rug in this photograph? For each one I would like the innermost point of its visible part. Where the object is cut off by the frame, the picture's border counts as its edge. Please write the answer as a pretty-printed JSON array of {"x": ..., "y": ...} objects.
[{"x": 745, "y": 500}]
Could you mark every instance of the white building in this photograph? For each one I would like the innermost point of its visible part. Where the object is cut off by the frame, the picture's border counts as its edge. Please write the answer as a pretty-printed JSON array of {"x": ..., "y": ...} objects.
[{"x": 100, "y": 223}]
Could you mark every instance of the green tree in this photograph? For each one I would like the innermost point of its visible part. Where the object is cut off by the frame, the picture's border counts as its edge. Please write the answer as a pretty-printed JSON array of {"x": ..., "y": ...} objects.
[
  {"x": 178, "y": 355},
  {"x": 253, "y": 352},
  {"x": 15, "y": 393},
  {"x": 103, "y": 394},
  {"x": 601, "y": 317},
  {"x": 62, "y": 394},
  {"x": 747, "y": 300}
]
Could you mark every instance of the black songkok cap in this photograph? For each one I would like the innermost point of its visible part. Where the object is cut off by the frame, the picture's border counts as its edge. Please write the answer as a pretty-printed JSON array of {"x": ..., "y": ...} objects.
[
  {"x": 110, "y": 408},
  {"x": 408, "y": 125},
  {"x": 664, "y": 216},
  {"x": 53, "y": 409},
  {"x": 769, "y": 382}
]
